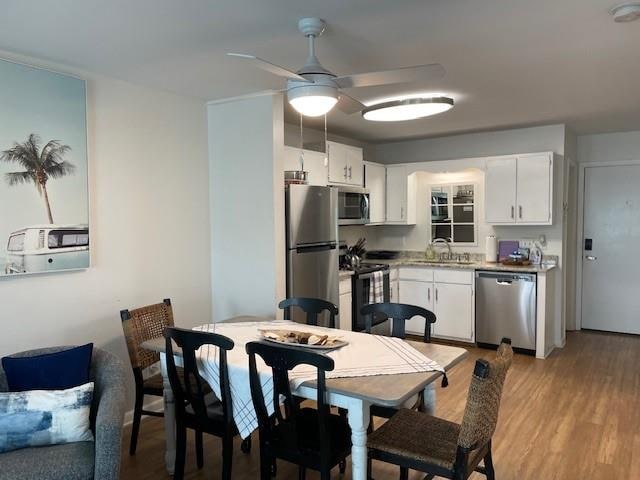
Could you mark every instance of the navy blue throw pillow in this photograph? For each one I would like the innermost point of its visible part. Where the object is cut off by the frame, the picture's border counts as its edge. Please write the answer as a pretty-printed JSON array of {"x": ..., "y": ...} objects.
[{"x": 49, "y": 371}]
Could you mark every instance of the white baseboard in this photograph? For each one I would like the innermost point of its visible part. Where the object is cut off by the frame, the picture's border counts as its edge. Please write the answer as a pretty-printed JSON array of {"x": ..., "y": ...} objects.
[{"x": 154, "y": 405}]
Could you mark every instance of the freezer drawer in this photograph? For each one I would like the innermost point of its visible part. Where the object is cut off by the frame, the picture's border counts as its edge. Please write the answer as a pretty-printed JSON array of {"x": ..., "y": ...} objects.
[
  {"x": 313, "y": 272},
  {"x": 506, "y": 307}
]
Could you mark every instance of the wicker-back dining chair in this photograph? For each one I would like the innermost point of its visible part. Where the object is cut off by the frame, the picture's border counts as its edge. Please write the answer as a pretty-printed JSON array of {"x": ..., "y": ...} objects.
[
  {"x": 140, "y": 325},
  {"x": 438, "y": 447}
]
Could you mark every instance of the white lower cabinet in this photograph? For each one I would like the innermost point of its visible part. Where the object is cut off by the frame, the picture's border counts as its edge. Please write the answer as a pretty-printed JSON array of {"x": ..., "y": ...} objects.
[
  {"x": 420, "y": 294},
  {"x": 454, "y": 312},
  {"x": 344, "y": 308},
  {"x": 447, "y": 293}
]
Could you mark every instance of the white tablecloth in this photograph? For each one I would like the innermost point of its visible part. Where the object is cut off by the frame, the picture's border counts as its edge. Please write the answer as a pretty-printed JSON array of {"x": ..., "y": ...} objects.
[{"x": 365, "y": 355}]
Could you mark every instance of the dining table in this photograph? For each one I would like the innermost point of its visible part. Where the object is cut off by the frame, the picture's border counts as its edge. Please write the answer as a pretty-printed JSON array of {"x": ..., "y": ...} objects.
[{"x": 355, "y": 394}]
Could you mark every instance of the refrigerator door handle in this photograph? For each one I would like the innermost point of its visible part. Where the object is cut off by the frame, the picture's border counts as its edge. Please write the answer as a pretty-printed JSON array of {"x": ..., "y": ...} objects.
[{"x": 315, "y": 247}]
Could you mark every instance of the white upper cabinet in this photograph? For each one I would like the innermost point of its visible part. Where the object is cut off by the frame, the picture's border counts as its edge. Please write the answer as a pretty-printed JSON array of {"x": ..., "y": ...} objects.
[
  {"x": 519, "y": 190},
  {"x": 314, "y": 163},
  {"x": 345, "y": 164},
  {"x": 500, "y": 190},
  {"x": 535, "y": 189},
  {"x": 401, "y": 196},
  {"x": 375, "y": 179}
]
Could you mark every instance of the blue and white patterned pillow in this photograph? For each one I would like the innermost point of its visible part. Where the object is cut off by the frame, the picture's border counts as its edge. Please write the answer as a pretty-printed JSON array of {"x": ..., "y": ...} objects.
[{"x": 45, "y": 417}]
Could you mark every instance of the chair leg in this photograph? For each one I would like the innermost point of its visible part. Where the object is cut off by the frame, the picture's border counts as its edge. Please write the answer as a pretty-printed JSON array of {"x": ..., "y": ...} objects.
[
  {"x": 488, "y": 465},
  {"x": 199, "y": 449},
  {"x": 325, "y": 474},
  {"x": 181, "y": 451},
  {"x": 135, "y": 427},
  {"x": 245, "y": 446},
  {"x": 227, "y": 456},
  {"x": 302, "y": 473},
  {"x": 404, "y": 473},
  {"x": 266, "y": 465}
]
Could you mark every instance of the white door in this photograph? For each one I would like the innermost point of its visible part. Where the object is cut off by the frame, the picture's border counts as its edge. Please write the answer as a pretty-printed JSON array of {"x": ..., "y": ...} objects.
[
  {"x": 610, "y": 281},
  {"x": 344, "y": 312},
  {"x": 314, "y": 164},
  {"x": 500, "y": 190},
  {"x": 454, "y": 311},
  {"x": 534, "y": 188},
  {"x": 419, "y": 294},
  {"x": 396, "y": 194},
  {"x": 355, "y": 166},
  {"x": 375, "y": 182},
  {"x": 338, "y": 162}
]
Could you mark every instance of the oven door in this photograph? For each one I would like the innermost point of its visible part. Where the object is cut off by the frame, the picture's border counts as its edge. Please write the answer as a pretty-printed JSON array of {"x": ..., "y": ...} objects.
[
  {"x": 360, "y": 298},
  {"x": 353, "y": 206}
]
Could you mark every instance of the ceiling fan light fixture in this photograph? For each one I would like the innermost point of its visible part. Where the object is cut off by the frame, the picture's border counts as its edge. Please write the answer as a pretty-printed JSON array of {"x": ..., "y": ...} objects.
[
  {"x": 313, "y": 100},
  {"x": 407, "y": 109}
]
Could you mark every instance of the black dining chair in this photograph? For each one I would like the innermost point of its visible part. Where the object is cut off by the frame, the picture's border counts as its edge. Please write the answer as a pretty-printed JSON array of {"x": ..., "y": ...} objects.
[
  {"x": 312, "y": 307},
  {"x": 196, "y": 407},
  {"x": 399, "y": 313},
  {"x": 311, "y": 438}
]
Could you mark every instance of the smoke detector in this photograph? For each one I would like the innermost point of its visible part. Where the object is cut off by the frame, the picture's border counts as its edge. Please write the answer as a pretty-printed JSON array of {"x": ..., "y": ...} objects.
[{"x": 626, "y": 12}]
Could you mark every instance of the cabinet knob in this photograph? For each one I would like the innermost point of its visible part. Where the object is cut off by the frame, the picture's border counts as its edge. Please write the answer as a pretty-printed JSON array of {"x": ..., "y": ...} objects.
[
  {"x": 349, "y": 172},
  {"x": 519, "y": 211},
  {"x": 513, "y": 211}
]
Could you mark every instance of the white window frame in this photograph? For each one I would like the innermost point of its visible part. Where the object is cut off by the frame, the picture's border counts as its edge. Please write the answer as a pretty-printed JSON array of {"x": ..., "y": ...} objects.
[{"x": 450, "y": 206}]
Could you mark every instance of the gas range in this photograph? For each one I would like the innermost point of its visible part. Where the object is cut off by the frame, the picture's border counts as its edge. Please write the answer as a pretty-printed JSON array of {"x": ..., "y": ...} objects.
[{"x": 367, "y": 268}]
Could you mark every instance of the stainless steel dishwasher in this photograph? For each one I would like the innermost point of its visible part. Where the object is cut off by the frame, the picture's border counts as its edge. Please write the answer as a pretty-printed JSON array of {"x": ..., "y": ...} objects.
[{"x": 506, "y": 307}]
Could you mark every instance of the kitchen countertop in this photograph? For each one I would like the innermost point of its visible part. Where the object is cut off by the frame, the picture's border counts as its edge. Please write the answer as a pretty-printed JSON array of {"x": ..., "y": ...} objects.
[
  {"x": 478, "y": 265},
  {"x": 345, "y": 273}
]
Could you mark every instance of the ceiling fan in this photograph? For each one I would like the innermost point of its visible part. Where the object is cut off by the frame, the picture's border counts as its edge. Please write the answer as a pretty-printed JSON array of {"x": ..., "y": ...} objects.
[{"x": 313, "y": 90}]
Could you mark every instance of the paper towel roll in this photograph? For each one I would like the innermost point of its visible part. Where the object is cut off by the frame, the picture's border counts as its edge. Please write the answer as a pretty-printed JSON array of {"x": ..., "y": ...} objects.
[{"x": 491, "y": 250}]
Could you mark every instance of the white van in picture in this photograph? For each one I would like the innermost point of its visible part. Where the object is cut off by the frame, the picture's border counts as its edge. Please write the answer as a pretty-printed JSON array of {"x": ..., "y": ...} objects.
[{"x": 44, "y": 248}]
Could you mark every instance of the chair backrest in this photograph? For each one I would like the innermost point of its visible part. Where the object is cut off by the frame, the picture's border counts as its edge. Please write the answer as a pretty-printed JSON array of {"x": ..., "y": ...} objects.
[
  {"x": 282, "y": 359},
  {"x": 400, "y": 313},
  {"x": 189, "y": 388},
  {"x": 312, "y": 307},
  {"x": 483, "y": 402},
  {"x": 142, "y": 324}
]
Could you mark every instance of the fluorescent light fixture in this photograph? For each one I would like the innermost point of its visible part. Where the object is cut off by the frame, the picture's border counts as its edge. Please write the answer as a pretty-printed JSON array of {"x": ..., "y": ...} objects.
[
  {"x": 313, "y": 100},
  {"x": 407, "y": 109}
]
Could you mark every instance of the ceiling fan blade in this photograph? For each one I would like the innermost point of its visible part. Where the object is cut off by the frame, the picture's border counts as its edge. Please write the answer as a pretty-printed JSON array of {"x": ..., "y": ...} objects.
[
  {"x": 416, "y": 73},
  {"x": 270, "y": 67},
  {"x": 349, "y": 105}
]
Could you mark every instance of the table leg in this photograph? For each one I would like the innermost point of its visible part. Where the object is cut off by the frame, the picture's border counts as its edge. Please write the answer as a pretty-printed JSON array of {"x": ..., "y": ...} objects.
[
  {"x": 429, "y": 405},
  {"x": 169, "y": 418},
  {"x": 358, "y": 421}
]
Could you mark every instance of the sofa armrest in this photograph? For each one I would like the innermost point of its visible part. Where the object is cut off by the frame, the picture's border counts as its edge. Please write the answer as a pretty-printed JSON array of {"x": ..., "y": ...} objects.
[{"x": 110, "y": 381}]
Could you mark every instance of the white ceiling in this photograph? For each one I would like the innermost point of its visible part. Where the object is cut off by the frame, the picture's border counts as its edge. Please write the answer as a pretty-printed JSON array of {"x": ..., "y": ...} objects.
[{"x": 509, "y": 63}]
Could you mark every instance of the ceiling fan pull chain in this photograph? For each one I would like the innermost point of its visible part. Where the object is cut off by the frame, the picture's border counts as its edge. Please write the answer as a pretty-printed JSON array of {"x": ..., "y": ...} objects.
[
  {"x": 326, "y": 150},
  {"x": 301, "y": 147}
]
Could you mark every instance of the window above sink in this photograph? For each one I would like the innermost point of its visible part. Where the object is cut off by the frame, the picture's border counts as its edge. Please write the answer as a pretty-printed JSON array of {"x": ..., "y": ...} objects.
[{"x": 453, "y": 214}]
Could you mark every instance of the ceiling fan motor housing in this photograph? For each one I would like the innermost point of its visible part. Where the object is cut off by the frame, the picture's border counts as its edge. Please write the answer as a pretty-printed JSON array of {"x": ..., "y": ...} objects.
[{"x": 320, "y": 84}]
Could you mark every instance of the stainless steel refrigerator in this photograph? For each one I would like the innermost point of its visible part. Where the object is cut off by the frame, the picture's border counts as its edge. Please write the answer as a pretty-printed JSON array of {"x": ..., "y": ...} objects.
[{"x": 311, "y": 214}]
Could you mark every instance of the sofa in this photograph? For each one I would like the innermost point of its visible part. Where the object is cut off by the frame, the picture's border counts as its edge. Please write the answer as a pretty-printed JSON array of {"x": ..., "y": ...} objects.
[{"x": 98, "y": 460}]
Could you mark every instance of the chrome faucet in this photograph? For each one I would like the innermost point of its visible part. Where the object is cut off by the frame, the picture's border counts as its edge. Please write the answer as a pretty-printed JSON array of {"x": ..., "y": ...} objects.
[{"x": 447, "y": 243}]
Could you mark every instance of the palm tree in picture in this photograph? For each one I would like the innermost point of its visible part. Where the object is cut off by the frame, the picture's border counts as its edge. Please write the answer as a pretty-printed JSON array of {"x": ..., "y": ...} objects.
[{"x": 39, "y": 164}]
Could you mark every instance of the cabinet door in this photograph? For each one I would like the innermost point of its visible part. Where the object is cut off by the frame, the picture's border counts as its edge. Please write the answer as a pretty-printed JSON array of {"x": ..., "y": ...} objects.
[
  {"x": 355, "y": 166},
  {"x": 396, "y": 194},
  {"x": 454, "y": 311},
  {"x": 393, "y": 291},
  {"x": 344, "y": 312},
  {"x": 338, "y": 162},
  {"x": 375, "y": 181},
  {"x": 500, "y": 190},
  {"x": 419, "y": 294},
  {"x": 314, "y": 164},
  {"x": 534, "y": 187}
]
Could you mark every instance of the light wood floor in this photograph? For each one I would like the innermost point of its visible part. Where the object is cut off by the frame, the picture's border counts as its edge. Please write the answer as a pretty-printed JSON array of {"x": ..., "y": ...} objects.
[{"x": 575, "y": 415}]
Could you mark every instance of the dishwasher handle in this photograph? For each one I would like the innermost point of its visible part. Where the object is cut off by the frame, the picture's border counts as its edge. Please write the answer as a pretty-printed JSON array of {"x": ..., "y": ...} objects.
[{"x": 506, "y": 278}]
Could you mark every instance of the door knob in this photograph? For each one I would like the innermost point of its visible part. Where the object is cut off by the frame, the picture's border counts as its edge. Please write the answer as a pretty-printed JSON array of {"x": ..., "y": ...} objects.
[{"x": 591, "y": 258}]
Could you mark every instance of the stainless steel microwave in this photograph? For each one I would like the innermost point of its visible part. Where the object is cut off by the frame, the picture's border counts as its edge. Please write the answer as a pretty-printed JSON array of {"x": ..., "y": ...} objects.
[{"x": 353, "y": 206}]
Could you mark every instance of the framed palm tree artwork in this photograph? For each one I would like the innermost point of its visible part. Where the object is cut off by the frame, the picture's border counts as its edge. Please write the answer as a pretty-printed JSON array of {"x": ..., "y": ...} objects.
[{"x": 44, "y": 201}]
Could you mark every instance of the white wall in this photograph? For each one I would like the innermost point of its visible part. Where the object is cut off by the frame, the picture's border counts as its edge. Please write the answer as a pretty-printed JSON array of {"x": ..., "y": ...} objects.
[
  {"x": 246, "y": 150},
  {"x": 149, "y": 215},
  {"x": 609, "y": 147},
  {"x": 483, "y": 144}
]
